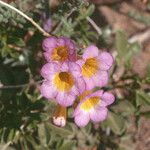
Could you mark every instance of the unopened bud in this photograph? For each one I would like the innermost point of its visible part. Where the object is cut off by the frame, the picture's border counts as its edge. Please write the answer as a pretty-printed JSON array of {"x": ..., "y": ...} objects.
[{"x": 59, "y": 118}]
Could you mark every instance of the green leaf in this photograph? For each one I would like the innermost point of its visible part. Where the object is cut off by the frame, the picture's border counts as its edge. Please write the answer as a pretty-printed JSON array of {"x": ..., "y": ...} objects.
[
  {"x": 42, "y": 134},
  {"x": 17, "y": 41},
  {"x": 148, "y": 74},
  {"x": 67, "y": 146},
  {"x": 85, "y": 13},
  {"x": 142, "y": 98},
  {"x": 59, "y": 131},
  {"x": 125, "y": 107},
  {"x": 133, "y": 48},
  {"x": 90, "y": 10},
  {"x": 121, "y": 44},
  {"x": 116, "y": 123},
  {"x": 146, "y": 114},
  {"x": 125, "y": 49}
]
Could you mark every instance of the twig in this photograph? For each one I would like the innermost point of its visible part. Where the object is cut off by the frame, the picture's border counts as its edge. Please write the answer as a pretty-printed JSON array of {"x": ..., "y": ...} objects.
[
  {"x": 19, "y": 86},
  {"x": 7, "y": 145},
  {"x": 94, "y": 25},
  {"x": 26, "y": 17},
  {"x": 140, "y": 36}
]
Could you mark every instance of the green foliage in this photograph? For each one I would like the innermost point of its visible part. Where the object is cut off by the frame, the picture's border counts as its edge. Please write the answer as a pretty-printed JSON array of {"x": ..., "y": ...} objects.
[
  {"x": 138, "y": 16},
  {"x": 142, "y": 98},
  {"x": 125, "y": 49},
  {"x": 116, "y": 123}
]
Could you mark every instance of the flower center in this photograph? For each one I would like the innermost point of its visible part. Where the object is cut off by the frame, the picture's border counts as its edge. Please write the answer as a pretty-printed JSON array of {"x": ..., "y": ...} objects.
[
  {"x": 90, "y": 103},
  {"x": 63, "y": 81},
  {"x": 90, "y": 67},
  {"x": 60, "y": 53}
]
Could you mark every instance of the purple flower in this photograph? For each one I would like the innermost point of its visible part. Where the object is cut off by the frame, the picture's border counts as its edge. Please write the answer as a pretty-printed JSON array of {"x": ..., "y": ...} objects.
[
  {"x": 93, "y": 107},
  {"x": 63, "y": 82},
  {"x": 59, "y": 49},
  {"x": 95, "y": 65},
  {"x": 47, "y": 25},
  {"x": 47, "y": 22}
]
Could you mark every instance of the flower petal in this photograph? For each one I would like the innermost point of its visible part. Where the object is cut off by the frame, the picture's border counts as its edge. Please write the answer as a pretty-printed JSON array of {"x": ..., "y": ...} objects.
[
  {"x": 61, "y": 41},
  {"x": 77, "y": 111},
  {"x": 101, "y": 78},
  {"x": 80, "y": 62},
  {"x": 65, "y": 67},
  {"x": 99, "y": 114},
  {"x": 49, "y": 43},
  {"x": 73, "y": 57},
  {"x": 74, "y": 90},
  {"x": 79, "y": 87},
  {"x": 47, "y": 56},
  {"x": 90, "y": 52},
  {"x": 89, "y": 84},
  {"x": 106, "y": 60},
  {"x": 108, "y": 98},
  {"x": 47, "y": 90},
  {"x": 49, "y": 69},
  {"x": 70, "y": 44},
  {"x": 98, "y": 93},
  {"x": 80, "y": 84},
  {"x": 82, "y": 120},
  {"x": 65, "y": 99},
  {"x": 75, "y": 69},
  {"x": 59, "y": 121}
]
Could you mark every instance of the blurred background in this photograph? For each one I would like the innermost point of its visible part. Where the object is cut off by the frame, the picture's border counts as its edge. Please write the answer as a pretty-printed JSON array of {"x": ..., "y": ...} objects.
[{"x": 121, "y": 27}]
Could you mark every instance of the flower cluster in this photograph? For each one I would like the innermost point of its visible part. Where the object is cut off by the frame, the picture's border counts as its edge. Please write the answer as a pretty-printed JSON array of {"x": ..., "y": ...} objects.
[{"x": 68, "y": 77}]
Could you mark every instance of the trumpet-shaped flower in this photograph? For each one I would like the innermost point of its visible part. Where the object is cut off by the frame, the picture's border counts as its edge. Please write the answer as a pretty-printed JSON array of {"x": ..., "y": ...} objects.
[
  {"x": 59, "y": 117},
  {"x": 95, "y": 65},
  {"x": 59, "y": 49},
  {"x": 93, "y": 107},
  {"x": 63, "y": 82}
]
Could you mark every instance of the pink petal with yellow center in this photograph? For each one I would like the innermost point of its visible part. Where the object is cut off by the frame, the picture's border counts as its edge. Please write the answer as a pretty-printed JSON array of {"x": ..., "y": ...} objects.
[
  {"x": 59, "y": 49},
  {"x": 80, "y": 62},
  {"x": 49, "y": 69},
  {"x": 69, "y": 43}
]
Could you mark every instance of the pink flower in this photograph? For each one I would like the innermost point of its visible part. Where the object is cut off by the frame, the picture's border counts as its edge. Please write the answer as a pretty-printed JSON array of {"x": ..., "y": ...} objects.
[
  {"x": 93, "y": 107},
  {"x": 95, "y": 65},
  {"x": 63, "y": 82},
  {"x": 59, "y": 49}
]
